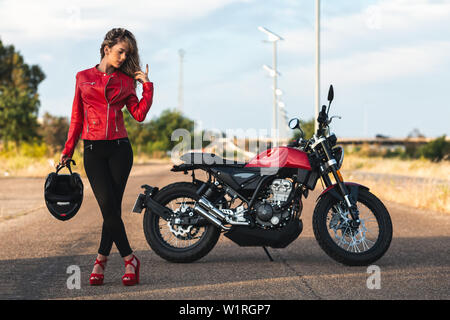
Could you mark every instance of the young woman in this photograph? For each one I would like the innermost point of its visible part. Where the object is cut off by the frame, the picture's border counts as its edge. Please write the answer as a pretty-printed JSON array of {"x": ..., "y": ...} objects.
[{"x": 100, "y": 94}]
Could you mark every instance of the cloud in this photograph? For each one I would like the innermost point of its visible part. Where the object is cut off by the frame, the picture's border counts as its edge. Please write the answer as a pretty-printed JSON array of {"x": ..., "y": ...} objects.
[
  {"x": 47, "y": 57},
  {"x": 385, "y": 22},
  {"x": 376, "y": 66},
  {"x": 48, "y": 20},
  {"x": 164, "y": 55},
  {"x": 402, "y": 14},
  {"x": 388, "y": 63},
  {"x": 386, "y": 40}
]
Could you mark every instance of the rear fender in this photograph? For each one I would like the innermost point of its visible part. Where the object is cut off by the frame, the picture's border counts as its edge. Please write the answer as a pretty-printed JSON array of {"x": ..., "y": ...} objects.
[
  {"x": 352, "y": 187},
  {"x": 145, "y": 200}
]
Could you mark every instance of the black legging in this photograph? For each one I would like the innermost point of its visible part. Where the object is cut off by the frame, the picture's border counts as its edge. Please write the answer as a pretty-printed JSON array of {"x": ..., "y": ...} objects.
[{"x": 108, "y": 164}]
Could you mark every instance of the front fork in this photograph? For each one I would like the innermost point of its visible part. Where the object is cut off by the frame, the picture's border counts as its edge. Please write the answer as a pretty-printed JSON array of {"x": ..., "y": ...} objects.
[{"x": 343, "y": 190}]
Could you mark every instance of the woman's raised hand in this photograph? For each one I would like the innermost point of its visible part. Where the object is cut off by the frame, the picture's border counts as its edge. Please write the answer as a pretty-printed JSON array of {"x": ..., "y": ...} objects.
[{"x": 141, "y": 76}]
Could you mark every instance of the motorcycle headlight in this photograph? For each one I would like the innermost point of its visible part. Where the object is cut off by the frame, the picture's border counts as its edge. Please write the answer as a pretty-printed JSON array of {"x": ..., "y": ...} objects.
[{"x": 338, "y": 153}]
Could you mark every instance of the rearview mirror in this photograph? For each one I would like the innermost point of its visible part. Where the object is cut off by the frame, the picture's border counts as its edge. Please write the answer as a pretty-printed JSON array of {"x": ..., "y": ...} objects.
[
  {"x": 331, "y": 93},
  {"x": 294, "y": 123}
]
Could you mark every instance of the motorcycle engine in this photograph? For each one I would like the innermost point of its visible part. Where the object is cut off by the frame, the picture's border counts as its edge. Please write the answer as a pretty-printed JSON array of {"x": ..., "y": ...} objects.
[{"x": 268, "y": 213}]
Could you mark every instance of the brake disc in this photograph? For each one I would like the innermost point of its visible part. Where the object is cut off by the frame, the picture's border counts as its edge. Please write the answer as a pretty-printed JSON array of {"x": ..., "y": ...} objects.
[
  {"x": 340, "y": 221},
  {"x": 179, "y": 231}
]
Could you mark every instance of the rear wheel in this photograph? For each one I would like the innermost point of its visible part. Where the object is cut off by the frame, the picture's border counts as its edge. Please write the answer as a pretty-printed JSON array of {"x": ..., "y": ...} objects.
[
  {"x": 174, "y": 242},
  {"x": 345, "y": 243}
]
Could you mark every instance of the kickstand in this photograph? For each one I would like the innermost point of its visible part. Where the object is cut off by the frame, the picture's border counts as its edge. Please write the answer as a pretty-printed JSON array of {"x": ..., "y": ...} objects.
[{"x": 268, "y": 254}]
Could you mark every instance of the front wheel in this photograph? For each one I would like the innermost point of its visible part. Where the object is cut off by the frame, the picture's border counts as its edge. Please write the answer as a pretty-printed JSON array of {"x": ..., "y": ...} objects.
[
  {"x": 345, "y": 243},
  {"x": 178, "y": 243}
]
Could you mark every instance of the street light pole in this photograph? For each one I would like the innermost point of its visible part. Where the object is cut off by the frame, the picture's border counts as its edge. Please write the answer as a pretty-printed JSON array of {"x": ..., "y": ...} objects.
[
  {"x": 275, "y": 106},
  {"x": 181, "y": 53},
  {"x": 317, "y": 91},
  {"x": 274, "y": 38}
]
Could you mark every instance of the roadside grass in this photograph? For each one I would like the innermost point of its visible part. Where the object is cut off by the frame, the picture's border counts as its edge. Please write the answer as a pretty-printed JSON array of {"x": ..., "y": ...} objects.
[
  {"x": 428, "y": 195},
  {"x": 417, "y": 183},
  {"x": 412, "y": 168},
  {"x": 20, "y": 165}
]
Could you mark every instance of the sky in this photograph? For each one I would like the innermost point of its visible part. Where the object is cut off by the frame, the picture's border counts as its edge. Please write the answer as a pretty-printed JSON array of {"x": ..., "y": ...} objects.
[{"x": 388, "y": 60}]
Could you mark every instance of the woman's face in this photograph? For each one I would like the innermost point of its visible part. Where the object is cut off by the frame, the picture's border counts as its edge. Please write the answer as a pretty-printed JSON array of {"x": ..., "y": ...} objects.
[{"x": 117, "y": 54}]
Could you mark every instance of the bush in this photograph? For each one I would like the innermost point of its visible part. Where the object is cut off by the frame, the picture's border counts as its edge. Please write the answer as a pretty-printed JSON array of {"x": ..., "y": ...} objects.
[
  {"x": 154, "y": 146},
  {"x": 395, "y": 153},
  {"x": 307, "y": 128},
  {"x": 435, "y": 150},
  {"x": 34, "y": 150},
  {"x": 154, "y": 137},
  {"x": 53, "y": 131}
]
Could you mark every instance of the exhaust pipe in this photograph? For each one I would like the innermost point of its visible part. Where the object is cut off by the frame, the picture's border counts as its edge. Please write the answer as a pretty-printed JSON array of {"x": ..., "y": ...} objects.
[
  {"x": 206, "y": 204},
  {"x": 210, "y": 217},
  {"x": 218, "y": 214}
]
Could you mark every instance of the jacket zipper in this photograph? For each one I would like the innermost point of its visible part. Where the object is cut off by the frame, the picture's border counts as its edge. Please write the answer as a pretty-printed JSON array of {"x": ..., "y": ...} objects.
[
  {"x": 115, "y": 119},
  {"x": 107, "y": 111},
  {"x": 120, "y": 91},
  {"x": 85, "y": 112},
  {"x": 87, "y": 121},
  {"x": 115, "y": 111}
]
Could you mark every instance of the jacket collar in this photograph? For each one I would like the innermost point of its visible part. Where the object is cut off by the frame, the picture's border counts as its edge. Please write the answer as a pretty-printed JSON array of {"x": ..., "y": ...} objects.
[{"x": 96, "y": 71}]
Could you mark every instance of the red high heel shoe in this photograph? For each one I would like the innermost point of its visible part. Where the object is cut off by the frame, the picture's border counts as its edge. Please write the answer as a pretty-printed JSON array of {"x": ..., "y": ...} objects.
[
  {"x": 133, "y": 278},
  {"x": 96, "y": 279}
]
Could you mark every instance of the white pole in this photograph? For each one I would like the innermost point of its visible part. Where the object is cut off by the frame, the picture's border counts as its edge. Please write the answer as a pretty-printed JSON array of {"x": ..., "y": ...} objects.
[
  {"x": 273, "y": 38},
  {"x": 317, "y": 91},
  {"x": 181, "y": 53},
  {"x": 275, "y": 107}
]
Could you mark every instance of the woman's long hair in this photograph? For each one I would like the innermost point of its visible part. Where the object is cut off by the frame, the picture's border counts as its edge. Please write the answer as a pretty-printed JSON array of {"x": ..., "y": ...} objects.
[{"x": 132, "y": 62}]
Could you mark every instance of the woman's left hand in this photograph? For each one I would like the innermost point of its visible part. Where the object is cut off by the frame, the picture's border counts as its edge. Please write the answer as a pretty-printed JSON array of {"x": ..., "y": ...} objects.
[{"x": 141, "y": 76}]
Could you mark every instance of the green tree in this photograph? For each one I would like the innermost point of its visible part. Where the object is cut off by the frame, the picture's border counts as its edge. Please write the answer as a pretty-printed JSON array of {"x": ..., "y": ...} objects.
[
  {"x": 307, "y": 127},
  {"x": 136, "y": 133},
  {"x": 163, "y": 127},
  {"x": 54, "y": 131},
  {"x": 19, "y": 100},
  {"x": 435, "y": 150},
  {"x": 156, "y": 134}
]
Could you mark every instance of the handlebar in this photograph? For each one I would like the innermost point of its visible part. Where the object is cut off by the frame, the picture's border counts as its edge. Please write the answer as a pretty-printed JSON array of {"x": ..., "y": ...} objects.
[{"x": 322, "y": 119}]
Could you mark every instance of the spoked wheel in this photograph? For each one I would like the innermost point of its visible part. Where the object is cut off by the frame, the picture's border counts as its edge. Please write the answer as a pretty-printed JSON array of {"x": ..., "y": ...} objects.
[
  {"x": 180, "y": 236},
  {"x": 175, "y": 241},
  {"x": 350, "y": 244}
]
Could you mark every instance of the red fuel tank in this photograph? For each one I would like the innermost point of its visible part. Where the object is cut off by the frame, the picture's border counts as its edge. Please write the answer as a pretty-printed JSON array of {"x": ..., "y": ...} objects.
[{"x": 281, "y": 157}]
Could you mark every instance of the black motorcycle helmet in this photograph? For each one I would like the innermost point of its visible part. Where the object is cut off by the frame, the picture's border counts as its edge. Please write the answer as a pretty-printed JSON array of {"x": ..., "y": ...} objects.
[{"x": 63, "y": 193}]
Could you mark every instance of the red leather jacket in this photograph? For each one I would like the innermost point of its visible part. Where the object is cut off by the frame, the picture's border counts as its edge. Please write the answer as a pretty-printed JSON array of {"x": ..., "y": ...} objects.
[{"x": 96, "y": 109}]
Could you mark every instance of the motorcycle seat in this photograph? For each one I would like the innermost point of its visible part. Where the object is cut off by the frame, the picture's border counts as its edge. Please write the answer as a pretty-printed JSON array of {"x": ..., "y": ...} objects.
[{"x": 193, "y": 160}]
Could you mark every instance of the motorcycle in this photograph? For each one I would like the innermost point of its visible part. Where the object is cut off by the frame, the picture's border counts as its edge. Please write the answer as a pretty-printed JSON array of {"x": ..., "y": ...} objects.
[{"x": 259, "y": 203}]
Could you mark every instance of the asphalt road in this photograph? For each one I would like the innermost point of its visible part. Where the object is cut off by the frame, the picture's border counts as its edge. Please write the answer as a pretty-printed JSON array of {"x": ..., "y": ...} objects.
[{"x": 39, "y": 253}]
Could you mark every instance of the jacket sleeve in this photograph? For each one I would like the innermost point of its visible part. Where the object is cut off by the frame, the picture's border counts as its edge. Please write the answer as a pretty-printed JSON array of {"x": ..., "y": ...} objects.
[
  {"x": 76, "y": 122},
  {"x": 138, "y": 109}
]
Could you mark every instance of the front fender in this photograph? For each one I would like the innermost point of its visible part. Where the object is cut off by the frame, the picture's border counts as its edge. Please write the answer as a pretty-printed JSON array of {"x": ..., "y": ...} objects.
[{"x": 352, "y": 187}]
